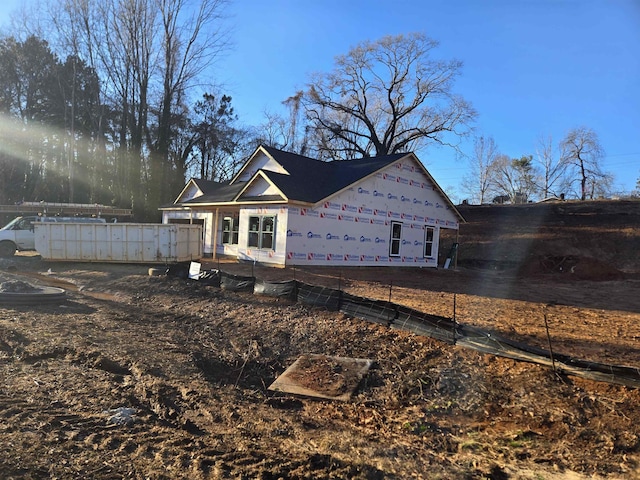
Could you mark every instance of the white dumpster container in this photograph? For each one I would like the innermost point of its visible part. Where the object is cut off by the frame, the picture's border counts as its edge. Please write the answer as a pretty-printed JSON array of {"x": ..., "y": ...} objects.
[{"x": 119, "y": 242}]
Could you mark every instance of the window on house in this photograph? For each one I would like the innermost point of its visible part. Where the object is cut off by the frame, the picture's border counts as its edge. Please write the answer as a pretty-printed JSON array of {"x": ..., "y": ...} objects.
[
  {"x": 230, "y": 230},
  {"x": 396, "y": 239},
  {"x": 429, "y": 233},
  {"x": 261, "y": 232}
]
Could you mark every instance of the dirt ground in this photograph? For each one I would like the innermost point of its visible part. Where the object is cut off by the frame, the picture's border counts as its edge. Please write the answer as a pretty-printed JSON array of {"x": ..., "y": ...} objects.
[{"x": 139, "y": 376}]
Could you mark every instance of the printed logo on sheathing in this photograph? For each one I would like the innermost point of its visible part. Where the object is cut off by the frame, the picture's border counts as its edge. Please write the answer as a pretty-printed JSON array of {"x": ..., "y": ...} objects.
[
  {"x": 294, "y": 210},
  {"x": 380, "y": 213},
  {"x": 307, "y": 212},
  {"x": 406, "y": 242},
  {"x": 382, "y": 258},
  {"x": 417, "y": 243},
  {"x": 296, "y": 256},
  {"x": 335, "y": 257},
  {"x": 377, "y": 193},
  {"x": 427, "y": 203},
  {"x": 349, "y": 208},
  {"x": 293, "y": 233},
  {"x": 363, "y": 220},
  {"x": 439, "y": 205},
  {"x": 417, "y": 226},
  {"x": 312, "y": 235},
  {"x": 391, "y": 196},
  {"x": 395, "y": 260},
  {"x": 386, "y": 176},
  {"x": 349, "y": 238},
  {"x": 363, "y": 191},
  {"x": 329, "y": 216},
  {"x": 378, "y": 221},
  {"x": 408, "y": 167},
  {"x": 329, "y": 236},
  {"x": 364, "y": 239},
  {"x": 405, "y": 199},
  {"x": 391, "y": 214},
  {"x": 404, "y": 216},
  {"x": 365, "y": 210},
  {"x": 346, "y": 218},
  {"x": 367, "y": 258},
  {"x": 380, "y": 240},
  {"x": 429, "y": 220},
  {"x": 316, "y": 256},
  {"x": 407, "y": 259},
  {"x": 351, "y": 258},
  {"x": 332, "y": 205},
  {"x": 402, "y": 180}
]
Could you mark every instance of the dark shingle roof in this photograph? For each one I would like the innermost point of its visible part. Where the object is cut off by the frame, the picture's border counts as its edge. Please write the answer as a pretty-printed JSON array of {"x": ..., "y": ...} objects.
[
  {"x": 312, "y": 180},
  {"x": 215, "y": 192},
  {"x": 309, "y": 180}
]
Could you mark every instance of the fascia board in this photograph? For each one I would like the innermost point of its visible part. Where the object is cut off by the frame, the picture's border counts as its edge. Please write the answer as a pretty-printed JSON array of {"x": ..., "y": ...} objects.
[
  {"x": 262, "y": 175},
  {"x": 444, "y": 196},
  {"x": 189, "y": 183},
  {"x": 248, "y": 162}
]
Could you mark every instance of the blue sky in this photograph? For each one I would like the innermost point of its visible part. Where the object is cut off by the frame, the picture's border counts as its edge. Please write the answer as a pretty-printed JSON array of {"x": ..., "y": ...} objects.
[{"x": 532, "y": 68}]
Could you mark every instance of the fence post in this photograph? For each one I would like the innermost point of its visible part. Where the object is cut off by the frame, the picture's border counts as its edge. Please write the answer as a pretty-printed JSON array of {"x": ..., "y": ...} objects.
[
  {"x": 390, "y": 288},
  {"x": 553, "y": 362},
  {"x": 454, "y": 319}
]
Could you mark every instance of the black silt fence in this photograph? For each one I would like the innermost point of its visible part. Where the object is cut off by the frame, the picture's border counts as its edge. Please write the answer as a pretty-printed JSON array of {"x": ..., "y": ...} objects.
[
  {"x": 236, "y": 283},
  {"x": 441, "y": 328},
  {"x": 376, "y": 311},
  {"x": 210, "y": 277},
  {"x": 287, "y": 289},
  {"x": 317, "y": 296},
  {"x": 404, "y": 318}
]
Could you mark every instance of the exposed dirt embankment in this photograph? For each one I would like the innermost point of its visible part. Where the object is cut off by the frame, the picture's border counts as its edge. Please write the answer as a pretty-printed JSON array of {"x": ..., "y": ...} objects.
[{"x": 596, "y": 238}]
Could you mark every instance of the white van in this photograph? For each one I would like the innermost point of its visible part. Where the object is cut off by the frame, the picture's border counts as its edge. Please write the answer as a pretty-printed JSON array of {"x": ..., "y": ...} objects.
[{"x": 19, "y": 234}]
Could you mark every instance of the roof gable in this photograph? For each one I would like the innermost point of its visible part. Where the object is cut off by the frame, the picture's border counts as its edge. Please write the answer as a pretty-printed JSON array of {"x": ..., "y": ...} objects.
[
  {"x": 262, "y": 159},
  {"x": 260, "y": 187}
]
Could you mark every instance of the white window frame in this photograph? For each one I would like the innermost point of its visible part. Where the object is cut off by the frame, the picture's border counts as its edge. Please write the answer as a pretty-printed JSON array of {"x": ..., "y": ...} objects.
[
  {"x": 263, "y": 232},
  {"x": 429, "y": 243},
  {"x": 395, "y": 241},
  {"x": 232, "y": 232}
]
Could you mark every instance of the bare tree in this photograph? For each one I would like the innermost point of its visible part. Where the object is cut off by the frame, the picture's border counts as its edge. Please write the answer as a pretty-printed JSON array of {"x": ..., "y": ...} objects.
[
  {"x": 190, "y": 40},
  {"x": 516, "y": 178},
  {"x": 385, "y": 97},
  {"x": 581, "y": 150},
  {"x": 554, "y": 169},
  {"x": 479, "y": 181}
]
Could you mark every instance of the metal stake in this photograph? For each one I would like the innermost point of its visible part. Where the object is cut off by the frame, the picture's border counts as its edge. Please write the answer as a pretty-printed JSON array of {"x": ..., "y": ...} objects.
[{"x": 553, "y": 362}]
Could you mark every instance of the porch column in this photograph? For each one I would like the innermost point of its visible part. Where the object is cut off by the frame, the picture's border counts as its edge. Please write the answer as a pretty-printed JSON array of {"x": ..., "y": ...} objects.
[{"x": 215, "y": 235}]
